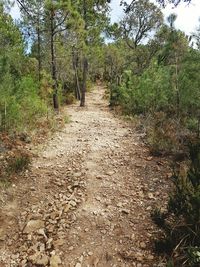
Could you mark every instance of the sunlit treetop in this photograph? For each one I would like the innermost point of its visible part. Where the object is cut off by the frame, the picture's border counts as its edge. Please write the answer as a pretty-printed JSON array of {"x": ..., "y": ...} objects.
[{"x": 175, "y": 2}]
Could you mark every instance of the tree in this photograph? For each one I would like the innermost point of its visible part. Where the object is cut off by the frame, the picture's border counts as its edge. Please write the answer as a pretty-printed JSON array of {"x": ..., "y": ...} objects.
[
  {"x": 141, "y": 18},
  {"x": 20, "y": 103},
  {"x": 94, "y": 14},
  {"x": 172, "y": 54},
  {"x": 175, "y": 2},
  {"x": 58, "y": 19},
  {"x": 165, "y": 2},
  {"x": 32, "y": 12}
]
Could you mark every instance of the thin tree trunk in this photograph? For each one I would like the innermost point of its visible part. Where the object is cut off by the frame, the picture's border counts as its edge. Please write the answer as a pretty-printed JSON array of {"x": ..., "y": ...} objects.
[
  {"x": 76, "y": 79},
  {"x": 85, "y": 60},
  {"x": 177, "y": 88},
  {"x": 53, "y": 65},
  {"x": 39, "y": 50},
  {"x": 85, "y": 71},
  {"x": 78, "y": 92}
]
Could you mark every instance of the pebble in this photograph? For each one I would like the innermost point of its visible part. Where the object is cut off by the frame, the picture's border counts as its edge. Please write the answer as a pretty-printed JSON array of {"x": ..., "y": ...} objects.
[
  {"x": 143, "y": 245},
  {"x": 72, "y": 203},
  {"x": 33, "y": 225},
  {"x": 55, "y": 261},
  {"x": 126, "y": 211}
]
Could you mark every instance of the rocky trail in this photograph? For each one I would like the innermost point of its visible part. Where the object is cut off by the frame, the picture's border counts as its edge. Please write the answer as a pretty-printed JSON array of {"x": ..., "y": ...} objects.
[{"x": 87, "y": 199}]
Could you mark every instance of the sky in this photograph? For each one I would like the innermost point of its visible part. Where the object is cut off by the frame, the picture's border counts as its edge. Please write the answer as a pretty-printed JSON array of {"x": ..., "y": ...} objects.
[{"x": 187, "y": 20}]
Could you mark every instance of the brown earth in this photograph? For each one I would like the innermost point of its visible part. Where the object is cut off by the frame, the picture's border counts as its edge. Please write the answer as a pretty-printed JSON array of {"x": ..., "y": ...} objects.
[{"x": 87, "y": 199}]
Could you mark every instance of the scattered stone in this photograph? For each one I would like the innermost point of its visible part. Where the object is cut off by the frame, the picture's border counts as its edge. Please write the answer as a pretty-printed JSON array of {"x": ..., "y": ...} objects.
[
  {"x": 126, "y": 211},
  {"x": 139, "y": 256},
  {"x": 143, "y": 245},
  {"x": 32, "y": 188},
  {"x": 150, "y": 257},
  {"x": 39, "y": 259},
  {"x": 42, "y": 232},
  {"x": 119, "y": 205},
  {"x": 33, "y": 226},
  {"x": 81, "y": 259},
  {"x": 67, "y": 208},
  {"x": 98, "y": 198},
  {"x": 150, "y": 196},
  {"x": 133, "y": 237},
  {"x": 90, "y": 253},
  {"x": 55, "y": 261},
  {"x": 72, "y": 203},
  {"x": 110, "y": 173},
  {"x": 59, "y": 242},
  {"x": 2, "y": 235}
]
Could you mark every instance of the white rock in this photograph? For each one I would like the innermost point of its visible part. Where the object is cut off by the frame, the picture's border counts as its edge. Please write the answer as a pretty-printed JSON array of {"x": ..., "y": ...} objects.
[
  {"x": 39, "y": 259},
  {"x": 55, "y": 261},
  {"x": 33, "y": 226}
]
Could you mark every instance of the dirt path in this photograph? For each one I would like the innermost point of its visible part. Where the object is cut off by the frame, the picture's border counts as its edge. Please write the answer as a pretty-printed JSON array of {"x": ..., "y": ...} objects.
[{"x": 87, "y": 199}]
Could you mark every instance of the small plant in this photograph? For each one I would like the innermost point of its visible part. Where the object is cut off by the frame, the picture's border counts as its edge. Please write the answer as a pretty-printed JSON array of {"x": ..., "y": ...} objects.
[
  {"x": 4, "y": 182},
  {"x": 66, "y": 119},
  {"x": 159, "y": 217},
  {"x": 70, "y": 99},
  {"x": 18, "y": 163},
  {"x": 194, "y": 255}
]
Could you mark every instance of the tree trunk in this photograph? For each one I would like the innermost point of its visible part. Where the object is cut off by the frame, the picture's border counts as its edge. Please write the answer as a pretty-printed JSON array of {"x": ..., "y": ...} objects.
[
  {"x": 76, "y": 79},
  {"x": 39, "y": 49},
  {"x": 53, "y": 65},
  {"x": 85, "y": 60},
  {"x": 177, "y": 87},
  {"x": 78, "y": 92},
  {"x": 85, "y": 71}
]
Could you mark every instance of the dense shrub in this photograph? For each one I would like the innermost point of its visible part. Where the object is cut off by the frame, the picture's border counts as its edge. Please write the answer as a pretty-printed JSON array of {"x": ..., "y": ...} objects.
[{"x": 20, "y": 106}]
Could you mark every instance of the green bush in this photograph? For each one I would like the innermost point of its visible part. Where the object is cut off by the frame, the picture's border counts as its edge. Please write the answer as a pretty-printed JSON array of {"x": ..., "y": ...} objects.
[
  {"x": 21, "y": 106},
  {"x": 141, "y": 94}
]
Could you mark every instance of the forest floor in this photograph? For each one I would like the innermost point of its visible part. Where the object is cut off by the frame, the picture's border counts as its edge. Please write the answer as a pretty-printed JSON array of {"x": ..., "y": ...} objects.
[{"x": 87, "y": 198}]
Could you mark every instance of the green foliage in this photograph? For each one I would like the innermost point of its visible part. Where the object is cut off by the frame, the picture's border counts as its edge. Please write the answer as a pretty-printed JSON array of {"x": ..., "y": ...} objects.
[
  {"x": 148, "y": 92},
  {"x": 141, "y": 18},
  {"x": 20, "y": 103}
]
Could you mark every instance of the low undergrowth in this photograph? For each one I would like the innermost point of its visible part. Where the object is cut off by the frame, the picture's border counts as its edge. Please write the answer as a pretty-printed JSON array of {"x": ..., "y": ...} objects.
[
  {"x": 18, "y": 163},
  {"x": 167, "y": 135},
  {"x": 180, "y": 223},
  {"x": 15, "y": 159}
]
